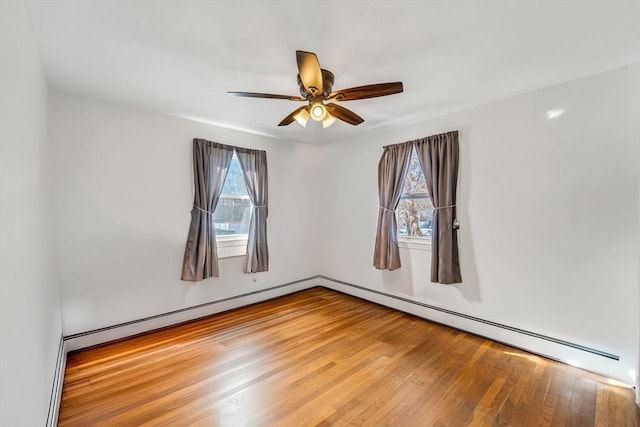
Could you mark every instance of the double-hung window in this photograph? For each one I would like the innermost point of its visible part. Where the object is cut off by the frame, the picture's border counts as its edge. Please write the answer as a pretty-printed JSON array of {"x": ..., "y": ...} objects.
[
  {"x": 415, "y": 209},
  {"x": 233, "y": 213}
]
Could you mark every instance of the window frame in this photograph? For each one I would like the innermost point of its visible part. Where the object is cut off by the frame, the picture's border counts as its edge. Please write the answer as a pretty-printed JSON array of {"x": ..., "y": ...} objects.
[
  {"x": 412, "y": 242},
  {"x": 233, "y": 245}
]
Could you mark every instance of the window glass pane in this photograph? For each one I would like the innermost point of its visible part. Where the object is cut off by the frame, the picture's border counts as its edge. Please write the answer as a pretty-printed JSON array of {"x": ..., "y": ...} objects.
[
  {"x": 415, "y": 210},
  {"x": 415, "y": 217},
  {"x": 234, "y": 183},
  {"x": 415, "y": 182},
  {"x": 233, "y": 212}
]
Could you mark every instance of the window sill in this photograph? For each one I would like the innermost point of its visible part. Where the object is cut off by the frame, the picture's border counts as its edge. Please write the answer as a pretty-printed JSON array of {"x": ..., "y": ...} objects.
[
  {"x": 231, "y": 246},
  {"x": 418, "y": 243}
]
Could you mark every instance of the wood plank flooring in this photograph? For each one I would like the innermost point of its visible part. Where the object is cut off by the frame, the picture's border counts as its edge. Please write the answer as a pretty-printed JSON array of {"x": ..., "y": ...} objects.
[{"x": 319, "y": 357}]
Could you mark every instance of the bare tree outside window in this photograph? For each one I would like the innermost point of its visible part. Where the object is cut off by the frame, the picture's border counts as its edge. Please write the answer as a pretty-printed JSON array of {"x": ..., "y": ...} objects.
[{"x": 415, "y": 209}]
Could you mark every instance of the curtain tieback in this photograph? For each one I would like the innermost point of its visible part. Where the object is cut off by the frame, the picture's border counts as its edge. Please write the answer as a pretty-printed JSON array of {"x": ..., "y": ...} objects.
[
  {"x": 386, "y": 209},
  {"x": 260, "y": 206},
  {"x": 203, "y": 210},
  {"x": 444, "y": 207}
]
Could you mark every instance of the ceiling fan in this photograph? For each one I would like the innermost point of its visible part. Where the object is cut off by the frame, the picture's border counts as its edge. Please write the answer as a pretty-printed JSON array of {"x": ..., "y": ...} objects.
[{"x": 316, "y": 86}]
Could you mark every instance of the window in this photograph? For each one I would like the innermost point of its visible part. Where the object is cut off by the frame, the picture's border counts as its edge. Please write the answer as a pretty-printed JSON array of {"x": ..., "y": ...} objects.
[
  {"x": 233, "y": 213},
  {"x": 415, "y": 210}
]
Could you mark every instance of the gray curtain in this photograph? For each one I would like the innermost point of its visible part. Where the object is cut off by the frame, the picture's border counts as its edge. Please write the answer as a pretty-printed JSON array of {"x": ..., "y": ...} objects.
[
  {"x": 210, "y": 166},
  {"x": 439, "y": 159},
  {"x": 392, "y": 171},
  {"x": 254, "y": 170}
]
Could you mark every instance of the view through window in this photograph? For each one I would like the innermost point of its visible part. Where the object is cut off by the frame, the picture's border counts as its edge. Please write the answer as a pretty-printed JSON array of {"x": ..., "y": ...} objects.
[
  {"x": 233, "y": 213},
  {"x": 415, "y": 210}
]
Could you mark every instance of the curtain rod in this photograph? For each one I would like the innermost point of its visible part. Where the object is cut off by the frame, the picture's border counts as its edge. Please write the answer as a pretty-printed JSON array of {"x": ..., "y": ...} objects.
[
  {"x": 415, "y": 140},
  {"x": 228, "y": 146}
]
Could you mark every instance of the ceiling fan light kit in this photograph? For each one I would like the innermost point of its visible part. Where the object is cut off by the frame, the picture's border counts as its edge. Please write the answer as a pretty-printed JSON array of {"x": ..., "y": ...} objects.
[
  {"x": 328, "y": 121},
  {"x": 316, "y": 86},
  {"x": 302, "y": 117},
  {"x": 318, "y": 112}
]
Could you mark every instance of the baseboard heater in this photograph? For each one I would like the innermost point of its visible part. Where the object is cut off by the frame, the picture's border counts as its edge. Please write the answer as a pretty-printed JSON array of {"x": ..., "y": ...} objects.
[
  {"x": 362, "y": 288},
  {"x": 479, "y": 320},
  {"x": 182, "y": 310}
]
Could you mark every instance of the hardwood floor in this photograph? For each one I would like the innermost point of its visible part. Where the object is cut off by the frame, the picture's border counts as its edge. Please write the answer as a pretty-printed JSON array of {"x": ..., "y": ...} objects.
[{"x": 319, "y": 357}]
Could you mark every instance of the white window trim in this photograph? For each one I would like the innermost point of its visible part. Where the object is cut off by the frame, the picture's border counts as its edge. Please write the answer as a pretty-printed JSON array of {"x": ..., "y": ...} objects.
[
  {"x": 418, "y": 243},
  {"x": 230, "y": 246}
]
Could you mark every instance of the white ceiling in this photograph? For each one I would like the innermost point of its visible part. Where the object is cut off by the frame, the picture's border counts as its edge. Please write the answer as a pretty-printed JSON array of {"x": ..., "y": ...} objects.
[{"x": 180, "y": 57}]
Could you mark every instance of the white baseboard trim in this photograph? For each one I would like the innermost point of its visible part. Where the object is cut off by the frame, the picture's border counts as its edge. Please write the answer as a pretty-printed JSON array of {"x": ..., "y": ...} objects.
[
  {"x": 56, "y": 389},
  {"x": 594, "y": 360},
  {"x": 136, "y": 327}
]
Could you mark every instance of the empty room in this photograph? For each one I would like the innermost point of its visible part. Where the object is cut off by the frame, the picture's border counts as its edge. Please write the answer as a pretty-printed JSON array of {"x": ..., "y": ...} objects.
[{"x": 288, "y": 213}]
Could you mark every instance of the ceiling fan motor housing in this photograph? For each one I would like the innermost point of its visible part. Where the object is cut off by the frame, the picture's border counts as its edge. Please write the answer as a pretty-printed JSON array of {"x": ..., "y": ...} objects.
[{"x": 327, "y": 85}]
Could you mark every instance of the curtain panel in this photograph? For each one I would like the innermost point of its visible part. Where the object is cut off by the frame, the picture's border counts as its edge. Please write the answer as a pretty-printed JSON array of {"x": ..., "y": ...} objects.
[
  {"x": 210, "y": 166},
  {"x": 254, "y": 170},
  {"x": 392, "y": 170},
  {"x": 439, "y": 159}
]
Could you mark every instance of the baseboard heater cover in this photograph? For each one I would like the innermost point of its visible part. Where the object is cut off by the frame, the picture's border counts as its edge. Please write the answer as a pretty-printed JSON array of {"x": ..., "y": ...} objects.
[
  {"x": 362, "y": 288},
  {"x": 182, "y": 310},
  {"x": 479, "y": 320}
]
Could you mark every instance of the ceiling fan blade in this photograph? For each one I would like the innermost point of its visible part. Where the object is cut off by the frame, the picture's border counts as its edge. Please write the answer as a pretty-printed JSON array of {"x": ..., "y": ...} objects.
[
  {"x": 310, "y": 72},
  {"x": 339, "y": 112},
  {"x": 292, "y": 117},
  {"x": 265, "y": 95},
  {"x": 367, "y": 91}
]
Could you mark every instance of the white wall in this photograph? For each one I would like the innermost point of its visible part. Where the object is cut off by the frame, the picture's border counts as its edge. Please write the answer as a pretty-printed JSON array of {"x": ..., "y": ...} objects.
[
  {"x": 548, "y": 211},
  {"x": 123, "y": 180},
  {"x": 30, "y": 327}
]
